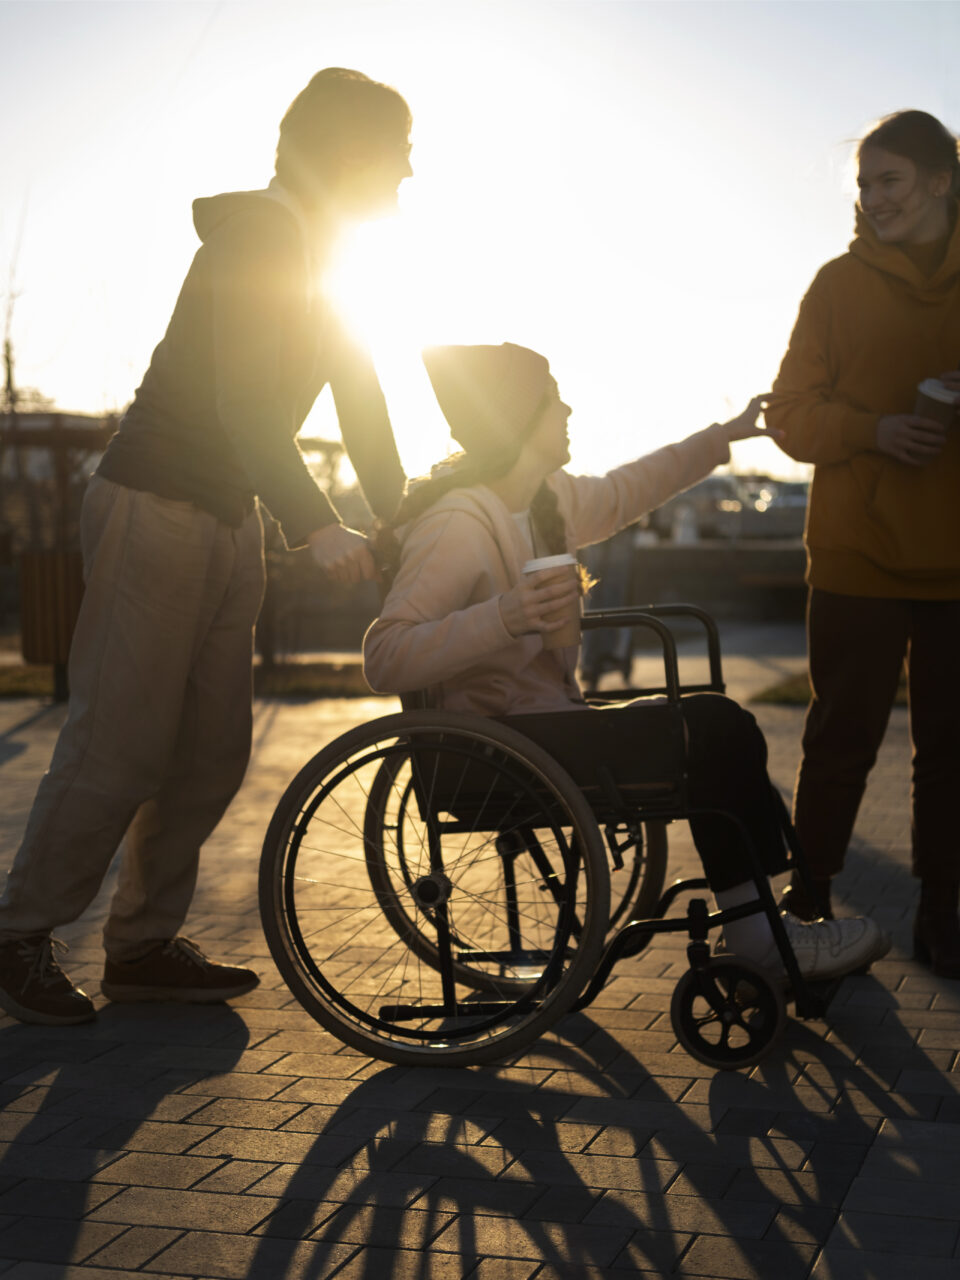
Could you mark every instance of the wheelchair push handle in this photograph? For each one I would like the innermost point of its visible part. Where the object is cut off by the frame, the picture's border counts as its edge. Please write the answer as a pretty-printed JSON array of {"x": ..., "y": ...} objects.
[
  {"x": 649, "y": 616},
  {"x": 640, "y": 618}
]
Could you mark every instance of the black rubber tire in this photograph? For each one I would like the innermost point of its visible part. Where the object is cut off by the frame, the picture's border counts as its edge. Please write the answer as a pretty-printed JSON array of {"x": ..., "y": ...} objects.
[
  {"x": 727, "y": 1014},
  {"x": 324, "y": 920},
  {"x": 645, "y": 870}
]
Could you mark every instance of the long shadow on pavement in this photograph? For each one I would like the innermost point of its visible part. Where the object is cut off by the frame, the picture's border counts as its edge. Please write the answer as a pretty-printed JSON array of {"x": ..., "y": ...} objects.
[
  {"x": 92, "y": 1116},
  {"x": 577, "y": 1157}
]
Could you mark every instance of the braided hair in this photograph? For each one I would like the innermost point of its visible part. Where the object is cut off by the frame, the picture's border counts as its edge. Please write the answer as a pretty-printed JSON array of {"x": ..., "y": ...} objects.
[{"x": 461, "y": 471}]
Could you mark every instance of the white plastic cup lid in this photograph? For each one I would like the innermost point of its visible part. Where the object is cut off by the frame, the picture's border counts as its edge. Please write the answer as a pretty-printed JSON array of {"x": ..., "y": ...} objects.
[
  {"x": 548, "y": 562},
  {"x": 937, "y": 390}
]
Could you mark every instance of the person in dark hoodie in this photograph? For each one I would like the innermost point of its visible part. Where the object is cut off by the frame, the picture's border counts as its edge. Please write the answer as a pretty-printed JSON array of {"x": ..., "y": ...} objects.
[
  {"x": 158, "y": 731},
  {"x": 883, "y": 524}
]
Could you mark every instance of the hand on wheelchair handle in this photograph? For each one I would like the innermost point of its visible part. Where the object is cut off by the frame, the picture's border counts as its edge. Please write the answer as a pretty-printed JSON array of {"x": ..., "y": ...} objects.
[
  {"x": 539, "y": 603},
  {"x": 343, "y": 554}
]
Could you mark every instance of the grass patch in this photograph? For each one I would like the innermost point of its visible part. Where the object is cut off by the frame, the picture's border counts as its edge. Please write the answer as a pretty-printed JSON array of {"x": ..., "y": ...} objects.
[
  {"x": 22, "y": 680},
  {"x": 795, "y": 692},
  {"x": 311, "y": 680},
  {"x": 284, "y": 680}
]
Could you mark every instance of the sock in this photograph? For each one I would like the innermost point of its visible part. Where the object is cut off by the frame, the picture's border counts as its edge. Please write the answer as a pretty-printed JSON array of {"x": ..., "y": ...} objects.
[{"x": 752, "y": 936}]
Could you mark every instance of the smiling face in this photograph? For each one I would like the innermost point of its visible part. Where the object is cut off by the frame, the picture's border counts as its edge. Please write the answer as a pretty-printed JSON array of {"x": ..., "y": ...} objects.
[
  {"x": 549, "y": 443},
  {"x": 903, "y": 204}
]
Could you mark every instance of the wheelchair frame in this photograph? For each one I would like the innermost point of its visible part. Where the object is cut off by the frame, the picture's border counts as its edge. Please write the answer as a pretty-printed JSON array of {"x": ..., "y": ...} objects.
[{"x": 452, "y": 806}]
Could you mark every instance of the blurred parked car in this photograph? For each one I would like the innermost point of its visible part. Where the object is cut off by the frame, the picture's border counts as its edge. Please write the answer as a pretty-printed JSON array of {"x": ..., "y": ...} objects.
[
  {"x": 710, "y": 509},
  {"x": 773, "y": 508}
]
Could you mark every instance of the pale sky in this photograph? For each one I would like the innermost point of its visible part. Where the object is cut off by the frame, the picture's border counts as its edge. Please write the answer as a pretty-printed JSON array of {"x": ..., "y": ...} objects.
[{"x": 640, "y": 190}]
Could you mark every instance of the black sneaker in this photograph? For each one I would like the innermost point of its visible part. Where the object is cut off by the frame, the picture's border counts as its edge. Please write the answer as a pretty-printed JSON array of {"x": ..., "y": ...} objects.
[
  {"x": 175, "y": 970},
  {"x": 34, "y": 988}
]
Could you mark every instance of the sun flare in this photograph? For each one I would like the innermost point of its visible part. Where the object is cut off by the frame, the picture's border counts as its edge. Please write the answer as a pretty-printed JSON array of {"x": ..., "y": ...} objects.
[{"x": 373, "y": 284}]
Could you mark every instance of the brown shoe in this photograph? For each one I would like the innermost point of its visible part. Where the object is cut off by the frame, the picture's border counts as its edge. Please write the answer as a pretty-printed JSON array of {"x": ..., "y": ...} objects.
[
  {"x": 34, "y": 988},
  {"x": 175, "y": 970}
]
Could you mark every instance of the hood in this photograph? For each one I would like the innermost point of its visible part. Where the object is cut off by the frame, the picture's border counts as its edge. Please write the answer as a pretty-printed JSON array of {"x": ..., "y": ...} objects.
[
  {"x": 891, "y": 259},
  {"x": 476, "y": 501},
  {"x": 210, "y": 212}
]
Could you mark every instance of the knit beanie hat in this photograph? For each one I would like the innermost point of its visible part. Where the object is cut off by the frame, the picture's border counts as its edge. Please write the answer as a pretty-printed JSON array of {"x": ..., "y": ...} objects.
[{"x": 490, "y": 396}]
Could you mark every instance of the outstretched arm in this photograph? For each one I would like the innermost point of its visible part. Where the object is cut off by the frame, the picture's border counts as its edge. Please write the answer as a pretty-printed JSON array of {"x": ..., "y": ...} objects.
[
  {"x": 343, "y": 554},
  {"x": 597, "y": 506},
  {"x": 259, "y": 307},
  {"x": 365, "y": 424},
  {"x": 260, "y": 312}
]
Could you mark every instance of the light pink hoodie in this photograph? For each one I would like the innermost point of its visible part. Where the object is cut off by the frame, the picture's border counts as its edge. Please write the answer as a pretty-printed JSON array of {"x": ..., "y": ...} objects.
[{"x": 441, "y": 628}]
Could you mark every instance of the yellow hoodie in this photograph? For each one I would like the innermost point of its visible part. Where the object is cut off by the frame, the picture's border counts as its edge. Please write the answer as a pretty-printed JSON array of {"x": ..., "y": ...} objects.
[{"x": 870, "y": 328}]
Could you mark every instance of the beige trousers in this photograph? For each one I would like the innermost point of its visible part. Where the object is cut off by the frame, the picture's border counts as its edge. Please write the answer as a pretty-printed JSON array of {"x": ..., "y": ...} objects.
[{"x": 158, "y": 730}]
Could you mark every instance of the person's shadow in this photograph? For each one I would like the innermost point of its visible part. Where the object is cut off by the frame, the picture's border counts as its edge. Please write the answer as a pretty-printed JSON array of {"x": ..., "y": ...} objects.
[{"x": 89, "y": 1115}]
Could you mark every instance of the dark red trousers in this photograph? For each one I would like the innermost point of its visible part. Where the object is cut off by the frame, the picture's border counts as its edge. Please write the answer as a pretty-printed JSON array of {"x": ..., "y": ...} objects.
[{"x": 857, "y": 646}]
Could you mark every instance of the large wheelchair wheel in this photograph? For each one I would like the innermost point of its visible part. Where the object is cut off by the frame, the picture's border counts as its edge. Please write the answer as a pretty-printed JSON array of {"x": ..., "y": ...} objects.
[
  {"x": 474, "y": 938},
  {"x": 393, "y": 831},
  {"x": 638, "y": 857}
]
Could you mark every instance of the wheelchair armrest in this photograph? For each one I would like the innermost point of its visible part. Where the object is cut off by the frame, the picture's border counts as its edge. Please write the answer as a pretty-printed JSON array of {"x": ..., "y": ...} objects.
[
  {"x": 595, "y": 618},
  {"x": 640, "y": 616},
  {"x": 648, "y": 616}
]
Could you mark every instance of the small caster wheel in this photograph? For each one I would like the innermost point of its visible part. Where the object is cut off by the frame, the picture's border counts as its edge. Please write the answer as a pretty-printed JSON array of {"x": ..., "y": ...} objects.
[{"x": 728, "y": 1013}]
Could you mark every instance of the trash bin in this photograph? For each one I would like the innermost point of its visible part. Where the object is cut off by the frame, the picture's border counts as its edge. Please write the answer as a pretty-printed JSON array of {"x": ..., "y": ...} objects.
[{"x": 51, "y": 588}]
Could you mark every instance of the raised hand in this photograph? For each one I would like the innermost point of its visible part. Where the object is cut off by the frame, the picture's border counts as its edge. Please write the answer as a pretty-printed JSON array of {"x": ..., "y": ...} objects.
[{"x": 744, "y": 425}]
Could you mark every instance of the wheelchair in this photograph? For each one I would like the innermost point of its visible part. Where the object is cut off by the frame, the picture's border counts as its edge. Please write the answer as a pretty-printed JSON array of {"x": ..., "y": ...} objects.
[{"x": 435, "y": 888}]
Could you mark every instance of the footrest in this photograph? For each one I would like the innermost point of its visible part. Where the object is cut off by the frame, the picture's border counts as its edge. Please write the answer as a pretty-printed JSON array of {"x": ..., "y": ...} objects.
[
  {"x": 519, "y": 958},
  {"x": 477, "y": 1009}
]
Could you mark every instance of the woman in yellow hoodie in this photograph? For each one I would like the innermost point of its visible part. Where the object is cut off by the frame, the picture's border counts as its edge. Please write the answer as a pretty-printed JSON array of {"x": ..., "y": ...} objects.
[{"x": 883, "y": 525}]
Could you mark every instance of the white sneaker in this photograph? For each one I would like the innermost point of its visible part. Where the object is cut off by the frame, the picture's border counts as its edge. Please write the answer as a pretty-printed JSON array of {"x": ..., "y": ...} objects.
[{"x": 830, "y": 948}]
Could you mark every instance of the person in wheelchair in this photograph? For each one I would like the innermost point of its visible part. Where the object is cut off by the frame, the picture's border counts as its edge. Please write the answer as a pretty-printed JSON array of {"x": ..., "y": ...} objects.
[{"x": 464, "y": 625}]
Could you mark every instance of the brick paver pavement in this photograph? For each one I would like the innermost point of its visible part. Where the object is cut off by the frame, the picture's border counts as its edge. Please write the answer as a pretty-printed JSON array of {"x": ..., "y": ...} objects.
[{"x": 244, "y": 1141}]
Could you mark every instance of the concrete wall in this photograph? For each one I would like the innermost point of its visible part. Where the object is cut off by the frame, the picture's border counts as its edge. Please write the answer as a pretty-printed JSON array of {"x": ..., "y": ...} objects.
[
  {"x": 748, "y": 580},
  {"x": 755, "y": 580}
]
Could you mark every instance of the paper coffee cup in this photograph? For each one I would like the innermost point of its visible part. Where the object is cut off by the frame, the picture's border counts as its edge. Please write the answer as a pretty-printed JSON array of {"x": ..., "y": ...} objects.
[
  {"x": 935, "y": 400},
  {"x": 569, "y": 633}
]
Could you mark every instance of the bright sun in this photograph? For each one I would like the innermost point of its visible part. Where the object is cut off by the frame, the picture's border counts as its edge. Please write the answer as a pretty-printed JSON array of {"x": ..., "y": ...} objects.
[{"x": 373, "y": 285}]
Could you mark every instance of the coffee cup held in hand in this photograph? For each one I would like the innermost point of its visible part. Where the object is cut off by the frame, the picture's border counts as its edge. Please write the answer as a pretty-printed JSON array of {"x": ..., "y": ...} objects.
[
  {"x": 552, "y": 566},
  {"x": 935, "y": 400}
]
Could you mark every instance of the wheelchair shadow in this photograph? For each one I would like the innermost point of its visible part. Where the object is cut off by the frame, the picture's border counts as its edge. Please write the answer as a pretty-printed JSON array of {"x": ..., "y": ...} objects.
[
  {"x": 579, "y": 1158},
  {"x": 78, "y": 1110},
  {"x": 872, "y": 1111},
  {"x": 474, "y": 1169}
]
